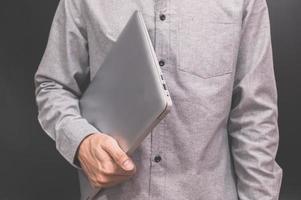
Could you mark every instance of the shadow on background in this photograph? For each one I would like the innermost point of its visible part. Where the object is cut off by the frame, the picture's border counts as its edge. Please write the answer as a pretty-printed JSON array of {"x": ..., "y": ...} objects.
[{"x": 31, "y": 168}]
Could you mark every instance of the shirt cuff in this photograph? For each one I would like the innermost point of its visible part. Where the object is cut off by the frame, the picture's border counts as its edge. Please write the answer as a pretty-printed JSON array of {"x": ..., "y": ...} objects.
[{"x": 69, "y": 137}]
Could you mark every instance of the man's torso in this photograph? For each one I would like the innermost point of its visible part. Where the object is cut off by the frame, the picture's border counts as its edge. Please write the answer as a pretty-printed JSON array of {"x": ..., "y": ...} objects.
[{"x": 198, "y": 42}]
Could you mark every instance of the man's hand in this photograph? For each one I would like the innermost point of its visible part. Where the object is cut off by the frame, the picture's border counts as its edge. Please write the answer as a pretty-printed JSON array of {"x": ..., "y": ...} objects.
[{"x": 103, "y": 161}]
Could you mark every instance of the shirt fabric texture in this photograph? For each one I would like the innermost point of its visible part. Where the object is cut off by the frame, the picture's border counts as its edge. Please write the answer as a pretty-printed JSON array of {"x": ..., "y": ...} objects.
[{"x": 220, "y": 139}]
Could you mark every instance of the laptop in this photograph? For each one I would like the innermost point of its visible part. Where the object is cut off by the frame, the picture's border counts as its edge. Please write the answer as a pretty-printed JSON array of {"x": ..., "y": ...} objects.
[{"x": 128, "y": 96}]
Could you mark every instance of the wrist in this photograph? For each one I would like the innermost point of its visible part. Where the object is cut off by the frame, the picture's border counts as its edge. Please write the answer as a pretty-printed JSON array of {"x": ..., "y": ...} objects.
[{"x": 79, "y": 149}]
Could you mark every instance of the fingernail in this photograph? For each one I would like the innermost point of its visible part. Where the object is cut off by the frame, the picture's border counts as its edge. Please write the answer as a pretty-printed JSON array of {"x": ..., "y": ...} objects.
[{"x": 128, "y": 165}]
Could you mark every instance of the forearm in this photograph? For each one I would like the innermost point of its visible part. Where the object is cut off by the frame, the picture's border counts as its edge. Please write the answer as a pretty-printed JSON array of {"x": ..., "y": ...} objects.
[
  {"x": 254, "y": 142},
  {"x": 59, "y": 116},
  {"x": 253, "y": 127},
  {"x": 60, "y": 79}
]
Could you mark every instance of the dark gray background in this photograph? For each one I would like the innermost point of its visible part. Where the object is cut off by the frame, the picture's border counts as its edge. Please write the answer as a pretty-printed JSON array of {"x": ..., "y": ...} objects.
[{"x": 30, "y": 167}]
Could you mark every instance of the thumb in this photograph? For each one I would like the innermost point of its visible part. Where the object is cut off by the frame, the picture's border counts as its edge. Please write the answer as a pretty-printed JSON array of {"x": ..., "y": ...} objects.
[{"x": 118, "y": 155}]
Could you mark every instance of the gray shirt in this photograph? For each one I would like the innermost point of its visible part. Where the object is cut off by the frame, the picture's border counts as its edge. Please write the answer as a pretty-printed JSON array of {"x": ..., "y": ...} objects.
[{"x": 220, "y": 140}]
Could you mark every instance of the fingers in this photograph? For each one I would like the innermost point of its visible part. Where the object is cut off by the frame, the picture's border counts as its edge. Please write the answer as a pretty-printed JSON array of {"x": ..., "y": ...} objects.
[
  {"x": 104, "y": 162},
  {"x": 119, "y": 156},
  {"x": 108, "y": 173},
  {"x": 108, "y": 166}
]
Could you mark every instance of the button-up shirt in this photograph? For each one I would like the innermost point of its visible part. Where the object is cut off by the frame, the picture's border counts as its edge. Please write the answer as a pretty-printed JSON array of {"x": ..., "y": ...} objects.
[{"x": 220, "y": 139}]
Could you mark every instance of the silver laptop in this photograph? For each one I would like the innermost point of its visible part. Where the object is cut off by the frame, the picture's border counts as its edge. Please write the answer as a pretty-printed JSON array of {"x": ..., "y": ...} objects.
[{"x": 128, "y": 96}]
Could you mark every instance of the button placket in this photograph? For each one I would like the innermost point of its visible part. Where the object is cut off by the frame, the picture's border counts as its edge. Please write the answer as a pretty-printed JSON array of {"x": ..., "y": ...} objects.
[
  {"x": 162, "y": 51},
  {"x": 162, "y": 43},
  {"x": 162, "y": 32}
]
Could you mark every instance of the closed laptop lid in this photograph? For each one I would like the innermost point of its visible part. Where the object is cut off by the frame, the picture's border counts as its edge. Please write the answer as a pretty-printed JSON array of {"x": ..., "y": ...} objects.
[{"x": 126, "y": 95}]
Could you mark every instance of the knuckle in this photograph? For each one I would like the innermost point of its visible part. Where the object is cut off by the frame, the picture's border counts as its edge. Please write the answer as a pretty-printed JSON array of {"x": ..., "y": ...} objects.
[
  {"x": 94, "y": 148},
  {"x": 101, "y": 180},
  {"x": 108, "y": 140},
  {"x": 108, "y": 171},
  {"x": 107, "y": 143}
]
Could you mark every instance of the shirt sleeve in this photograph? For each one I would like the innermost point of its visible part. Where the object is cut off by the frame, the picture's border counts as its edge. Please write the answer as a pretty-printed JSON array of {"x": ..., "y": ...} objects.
[
  {"x": 253, "y": 127},
  {"x": 60, "y": 79}
]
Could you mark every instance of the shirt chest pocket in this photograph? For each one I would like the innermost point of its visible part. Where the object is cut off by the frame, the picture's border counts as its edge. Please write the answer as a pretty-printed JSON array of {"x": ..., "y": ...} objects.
[{"x": 207, "y": 49}]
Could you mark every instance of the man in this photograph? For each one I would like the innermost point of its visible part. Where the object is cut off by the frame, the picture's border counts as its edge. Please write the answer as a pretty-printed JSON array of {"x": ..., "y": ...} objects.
[{"x": 220, "y": 140}]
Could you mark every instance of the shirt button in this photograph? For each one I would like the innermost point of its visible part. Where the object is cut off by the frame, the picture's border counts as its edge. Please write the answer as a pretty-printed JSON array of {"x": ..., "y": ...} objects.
[
  {"x": 162, "y": 17},
  {"x": 157, "y": 158},
  {"x": 161, "y": 63}
]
